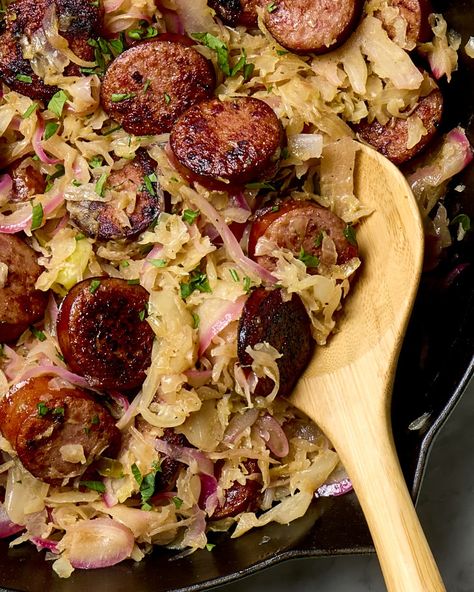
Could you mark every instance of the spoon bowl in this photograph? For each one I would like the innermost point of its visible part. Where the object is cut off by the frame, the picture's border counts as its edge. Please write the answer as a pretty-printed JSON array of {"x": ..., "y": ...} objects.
[{"x": 347, "y": 387}]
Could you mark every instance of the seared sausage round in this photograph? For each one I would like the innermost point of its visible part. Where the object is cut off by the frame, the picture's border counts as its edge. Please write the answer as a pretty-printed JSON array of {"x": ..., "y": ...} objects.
[
  {"x": 20, "y": 303},
  {"x": 285, "y": 326},
  {"x": 312, "y": 26},
  {"x": 42, "y": 415},
  {"x": 237, "y": 12},
  {"x": 103, "y": 333},
  {"x": 147, "y": 87},
  {"x": 101, "y": 220},
  {"x": 240, "y": 498},
  {"x": 299, "y": 225},
  {"x": 235, "y": 140},
  {"x": 391, "y": 139},
  {"x": 415, "y": 13},
  {"x": 165, "y": 479},
  {"x": 27, "y": 182},
  {"x": 79, "y": 20}
]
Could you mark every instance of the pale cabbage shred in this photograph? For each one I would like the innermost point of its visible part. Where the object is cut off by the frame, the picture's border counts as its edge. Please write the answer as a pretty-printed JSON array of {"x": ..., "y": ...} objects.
[{"x": 370, "y": 76}]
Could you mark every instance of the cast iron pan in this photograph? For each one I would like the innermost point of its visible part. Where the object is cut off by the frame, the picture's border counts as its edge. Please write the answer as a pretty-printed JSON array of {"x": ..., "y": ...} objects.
[{"x": 435, "y": 365}]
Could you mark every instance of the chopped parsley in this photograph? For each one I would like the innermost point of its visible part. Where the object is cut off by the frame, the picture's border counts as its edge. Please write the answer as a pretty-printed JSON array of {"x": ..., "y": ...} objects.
[
  {"x": 104, "y": 52},
  {"x": 93, "y": 485},
  {"x": 133, "y": 282},
  {"x": 96, "y": 161},
  {"x": 234, "y": 275},
  {"x": 50, "y": 178},
  {"x": 158, "y": 262},
  {"x": 177, "y": 501},
  {"x": 31, "y": 109},
  {"x": 198, "y": 281},
  {"x": 50, "y": 129},
  {"x": 24, "y": 78},
  {"x": 146, "y": 86},
  {"x": 124, "y": 263},
  {"x": 167, "y": 98},
  {"x": 247, "y": 284},
  {"x": 272, "y": 7},
  {"x": 146, "y": 31},
  {"x": 43, "y": 409},
  {"x": 282, "y": 52},
  {"x": 260, "y": 185},
  {"x": 111, "y": 130},
  {"x": 223, "y": 57},
  {"x": 463, "y": 220},
  {"x": 100, "y": 185},
  {"x": 318, "y": 241},
  {"x": 148, "y": 181},
  {"x": 350, "y": 234},
  {"x": 95, "y": 420},
  {"x": 40, "y": 336},
  {"x": 94, "y": 286},
  {"x": 307, "y": 259},
  {"x": 59, "y": 411},
  {"x": 142, "y": 314},
  {"x": 196, "y": 320},
  {"x": 57, "y": 102},
  {"x": 79, "y": 236},
  {"x": 146, "y": 483},
  {"x": 119, "y": 97},
  {"x": 37, "y": 216},
  {"x": 189, "y": 216},
  {"x": 210, "y": 546}
]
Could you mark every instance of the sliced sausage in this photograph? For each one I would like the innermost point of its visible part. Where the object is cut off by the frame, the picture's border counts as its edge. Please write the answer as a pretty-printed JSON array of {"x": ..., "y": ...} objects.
[
  {"x": 237, "y": 12},
  {"x": 27, "y": 181},
  {"x": 415, "y": 13},
  {"x": 297, "y": 225},
  {"x": 103, "y": 333},
  {"x": 165, "y": 479},
  {"x": 103, "y": 221},
  {"x": 147, "y": 87},
  {"x": 42, "y": 415},
  {"x": 79, "y": 20},
  {"x": 391, "y": 139},
  {"x": 240, "y": 498},
  {"x": 235, "y": 140},
  {"x": 20, "y": 303},
  {"x": 284, "y": 325},
  {"x": 312, "y": 26}
]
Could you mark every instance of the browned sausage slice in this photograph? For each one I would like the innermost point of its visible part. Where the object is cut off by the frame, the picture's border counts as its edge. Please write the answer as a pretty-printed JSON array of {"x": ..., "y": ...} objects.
[
  {"x": 237, "y": 12},
  {"x": 102, "y": 220},
  {"x": 103, "y": 333},
  {"x": 79, "y": 21},
  {"x": 312, "y": 26},
  {"x": 27, "y": 181},
  {"x": 20, "y": 304},
  {"x": 147, "y": 87},
  {"x": 240, "y": 498},
  {"x": 284, "y": 325},
  {"x": 166, "y": 479},
  {"x": 415, "y": 13},
  {"x": 391, "y": 139},
  {"x": 42, "y": 415},
  {"x": 235, "y": 140},
  {"x": 299, "y": 225}
]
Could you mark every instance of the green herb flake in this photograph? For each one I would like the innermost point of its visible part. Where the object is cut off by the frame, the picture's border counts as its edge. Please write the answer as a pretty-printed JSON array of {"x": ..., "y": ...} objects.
[
  {"x": 111, "y": 130},
  {"x": 87, "y": 431},
  {"x": 260, "y": 185},
  {"x": 210, "y": 546},
  {"x": 147, "y": 488},
  {"x": 189, "y": 216},
  {"x": 95, "y": 420},
  {"x": 24, "y": 78},
  {"x": 246, "y": 284},
  {"x": 196, "y": 320},
  {"x": 133, "y": 282},
  {"x": 146, "y": 86},
  {"x": 234, "y": 275},
  {"x": 119, "y": 97},
  {"x": 93, "y": 485},
  {"x": 158, "y": 262},
  {"x": 318, "y": 241},
  {"x": 100, "y": 185},
  {"x": 463, "y": 220},
  {"x": 148, "y": 181},
  {"x": 282, "y": 52},
  {"x": 96, "y": 161},
  {"x": 76, "y": 183},
  {"x": 37, "y": 216},
  {"x": 40, "y": 336},
  {"x": 124, "y": 263},
  {"x": 272, "y": 7},
  {"x": 31, "y": 109},
  {"x": 43, "y": 409},
  {"x": 177, "y": 501},
  {"x": 58, "y": 411},
  {"x": 94, "y": 286},
  {"x": 167, "y": 98},
  {"x": 275, "y": 209},
  {"x": 307, "y": 259},
  {"x": 50, "y": 129},
  {"x": 142, "y": 314},
  {"x": 57, "y": 102},
  {"x": 350, "y": 234},
  {"x": 80, "y": 236},
  {"x": 137, "y": 474},
  {"x": 285, "y": 153},
  {"x": 219, "y": 47},
  {"x": 60, "y": 356},
  {"x": 198, "y": 281}
]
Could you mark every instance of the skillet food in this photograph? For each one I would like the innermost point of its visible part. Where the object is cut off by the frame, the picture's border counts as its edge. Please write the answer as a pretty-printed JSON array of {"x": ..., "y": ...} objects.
[{"x": 177, "y": 236}]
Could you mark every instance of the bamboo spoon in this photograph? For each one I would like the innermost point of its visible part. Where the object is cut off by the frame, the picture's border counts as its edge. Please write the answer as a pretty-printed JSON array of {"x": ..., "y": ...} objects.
[{"x": 347, "y": 387}]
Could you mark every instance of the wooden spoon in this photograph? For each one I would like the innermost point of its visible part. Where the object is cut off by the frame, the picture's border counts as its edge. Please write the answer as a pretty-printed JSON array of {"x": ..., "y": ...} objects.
[{"x": 347, "y": 387}]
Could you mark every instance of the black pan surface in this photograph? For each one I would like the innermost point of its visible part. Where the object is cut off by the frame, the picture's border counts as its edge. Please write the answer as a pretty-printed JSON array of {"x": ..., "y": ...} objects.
[{"x": 435, "y": 365}]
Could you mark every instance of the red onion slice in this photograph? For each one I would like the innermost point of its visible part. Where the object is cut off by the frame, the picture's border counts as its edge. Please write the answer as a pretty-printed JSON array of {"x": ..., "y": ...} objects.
[
  {"x": 219, "y": 313},
  {"x": 239, "y": 423},
  {"x": 21, "y": 219},
  {"x": 7, "y": 527},
  {"x": 6, "y": 185},
  {"x": 231, "y": 244},
  {"x": 47, "y": 544},
  {"x": 208, "y": 497},
  {"x": 197, "y": 378},
  {"x": 99, "y": 543},
  {"x": 271, "y": 431},
  {"x": 44, "y": 368},
  {"x": 186, "y": 455},
  {"x": 338, "y": 483},
  {"x": 37, "y": 143}
]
